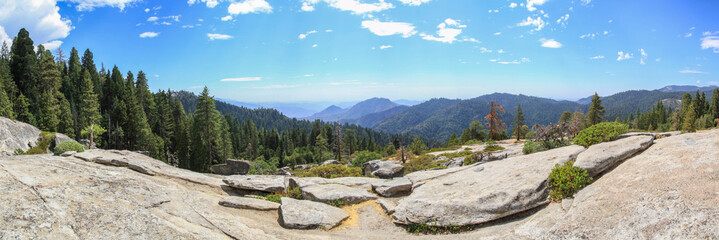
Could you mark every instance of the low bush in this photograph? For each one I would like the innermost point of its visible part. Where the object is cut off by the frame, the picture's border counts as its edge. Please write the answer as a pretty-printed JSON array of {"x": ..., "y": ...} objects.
[
  {"x": 68, "y": 146},
  {"x": 532, "y": 147},
  {"x": 365, "y": 156},
  {"x": 456, "y": 154},
  {"x": 46, "y": 139},
  {"x": 442, "y": 149},
  {"x": 472, "y": 142},
  {"x": 336, "y": 203},
  {"x": 427, "y": 229},
  {"x": 492, "y": 148},
  {"x": 566, "y": 180},
  {"x": 476, "y": 157},
  {"x": 275, "y": 197},
  {"x": 333, "y": 171},
  {"x": 601, "y": 132},
  {"x": 421, "y": 163}
]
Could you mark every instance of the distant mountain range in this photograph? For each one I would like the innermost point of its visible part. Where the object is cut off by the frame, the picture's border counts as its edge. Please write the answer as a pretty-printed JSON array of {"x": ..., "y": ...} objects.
[{"x": 357, "y": 111}]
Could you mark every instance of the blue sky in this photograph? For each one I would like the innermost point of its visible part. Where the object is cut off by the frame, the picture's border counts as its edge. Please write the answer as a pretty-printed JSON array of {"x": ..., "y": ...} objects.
[{"x": 348, "y": 50}]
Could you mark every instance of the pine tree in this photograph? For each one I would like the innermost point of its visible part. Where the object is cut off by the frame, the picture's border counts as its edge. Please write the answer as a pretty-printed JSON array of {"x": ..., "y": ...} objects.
[
  {"x": 88, "y": 64},
  {"x": 137, "y": 130},
  {"x": 714, "y": 107},
  {"x": 66, "y": 123},
  {"x": 24, "y": 70},
  {"x": 566, "y": 117},
  {"x": 145, "y": 97},
  {"x": 22, "y": 109},
  {"x": 596, "y": 110},
  {"x": 321, "y": 146},
  {"x": 5, "y": 104},
  {"x": 181, "y": 138},
  {"x": 417, "y": 147},
  {"x": 519, "y": 122},
  {"x": 89, "y": 111},
  {"x": 689, "y": 119},
  {"x": 206, "y": 126},
  {"x": 453, "y": 140},
  {"x": 494, "y": 120},
  {"x": 48, "y": 85},
  {"x": 686, "y": 103}
]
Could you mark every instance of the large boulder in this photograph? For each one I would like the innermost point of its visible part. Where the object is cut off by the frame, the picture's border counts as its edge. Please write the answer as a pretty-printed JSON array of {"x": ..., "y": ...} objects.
[
  {"x": 334, "y": 192},
  {"x": 383, "y": 169},
  {"x": 16, "y": 135},
  {"x": 248, "y": 203},
  {"x": 393, "y": 188},
  {"x": 305, "y": 214},
  {"x": 265, "y": 183},
  {"x": 363, "y": 182},
  {"x": 454, "y": 162},
  {"x": 602, "y": 156},
  {"x": 60, "y": 138},
  {"x": 328, "y": 162},
  {"x": 420, "y": 177},
  {"x": 231, "y": 167},
  {"x": 484, "y": 192}
]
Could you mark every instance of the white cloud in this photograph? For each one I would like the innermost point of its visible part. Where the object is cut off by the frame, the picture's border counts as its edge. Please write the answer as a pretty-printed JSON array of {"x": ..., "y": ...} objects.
[
  {"x": 588, "y": 35},
  {"x": 550, "y": 43},
  {"x": 149, "y": 34},
  {"x": 512, "y": 5},
  {"x": 644, "y": 56},
  {"x": 52, "y": 45},
  {"x": 500, "y": 51},
  {"x": 383, "y": 47},
  {"x": 41, "y": 18},
  {"x": 389, "y": 28},
  {"x": 304, "y": 35},
  {"x": 208, "y": 3},
  {"x": 89, "y": 5},
  {"x": 152, "y": 19},
  {"x": 328, "y": 30},
  {"x": 688, "y": 35},
  {"x": 448, "y": 32},
  {"x": 147, "y": 10},
  {"x": 531, "y": 3},
  {"x": 308, "y": 75},
  {"x": 217, "y": 36},
  {"x": 538, "y": 23},
  {"x": 241, "y": 79},
  {"x": 624, "y": 56},
  {"x": 523, "y": 60},
  {"x": 497, "y": 33},
  {"x": 692, "y": 71},
  {"x": 249, "y": 6},
  {"x": 711, "y": 42},
  {"x": 354, "y": 6},
  {"x": 597, "y": 57},
  {"x": 226, "y": 18},
  {"x": 414, "y": 2},
  {"x": 484, "y": 50},
  {"x": 314, "y": 45},
  {"x": 563, "y": 20}
]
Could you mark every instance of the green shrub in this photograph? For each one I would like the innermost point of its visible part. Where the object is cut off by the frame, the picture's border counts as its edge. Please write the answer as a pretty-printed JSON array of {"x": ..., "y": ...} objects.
[
  {"x": 333, "y": 171},
  {"x": 46, "y": 139},
  {"x": 365, "y": 156},
  {"x": 424, "y": 228},
  {"x": 19, "y": 152},
  {"x": 472, "y": 142},
  {"x": 475, "y": 157},
  {"x": 68, "y": 146},
  {"x": 262, "y": 167},
  {"x": 468, "y": 149},
  {"x": 532, "y": 147},
  {"x": 336, "y": 203},
  {"x": 421, "y": 163},
  {"x": 567, "y": 180},
  {"x": 442, "y": 149},
  {"x": 295, "y": 193},
  {"x": 601, "y": 132},
  {"x": 492, "y": 148},
  {"x": 457, "y": 154},
  {"x": 275, "y": 197}
]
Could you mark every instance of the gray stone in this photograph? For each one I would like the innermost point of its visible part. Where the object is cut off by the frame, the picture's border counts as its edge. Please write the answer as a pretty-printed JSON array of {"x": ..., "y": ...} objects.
[
  {"x": 454, "y": 162},
  {"x": 383, "y": 169},
  {"x": 231, "y": 167},
  {"x": 333, "y": 192},
  {"x": 265, "y": 183},
  {"x": 363, "y": 182},
  {"x": 248, "y": 203},
  {"x": 484, "y": 192},
  {"x": 331, "y": 162},
  {"x": 140, "y": 168},
  {"x": 386, "y": 205},
  {"x": 304, "y": 166},
  {"x": 420, "y": 177},
  {"x": 283, "y": 171},
  {"x": 602, "y": 156},
  {"x": 395, "y": 187},
  {"x": 16, "y": 135},
  {"x": 68, "y": 153},
  {"x": 60, "y": 138},
  {"x": 305, "y": 214}
]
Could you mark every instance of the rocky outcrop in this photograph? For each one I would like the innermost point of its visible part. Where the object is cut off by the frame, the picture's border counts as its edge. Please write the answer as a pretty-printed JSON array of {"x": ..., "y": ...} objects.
[
  {"x": 396, "y": 187},
  {"x": 602, "y": 156},
  {"x": 363, "y": 182},
  {"x": 231, "y": 167},
  {"x": 265, "y": 183},
  {"x": 304, "y": 214},
  {"x": 386, "y": 205},
  {"x": 484, "y": 192},
  {"x": 68, "y": 153},
  {"x": 383, "y": 169},
  {"x": 420, "y": 177},
  {"x": 328, "y": 162},
  {"x": 454, "y": 162},
  {"x": 60, "y": 138},
  {"x": 334, "y": 192},
  {"x": 248, "y": 203},
  {"x": 16, "y": 135}
]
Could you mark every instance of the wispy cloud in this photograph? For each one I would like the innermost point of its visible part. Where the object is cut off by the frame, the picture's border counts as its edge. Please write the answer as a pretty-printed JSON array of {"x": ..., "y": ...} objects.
[
  {"x": 389, "y": 28},
  {"x": 383, "y": 47},
  {"x": 217, "y": 36},
  {"x": 692, "y": 71},
  {"x": 523, "y": 60},
  {"x": 304, "y": 35},
  {"x": 597, "y": 57},
  {"x": 624, "y": 56},
  {"x": 550, "y": 43},
  {"x": 354, "y": 6},
  {"x": 241, "y": 79},
  {"x": 149, "y": 34},
  {"x": 538, "y": 23},
  {"x": 711, "y": 42},
  {"x": 531, "y": 3},
  {"x": 249, "y": 6},
  {"x": 414, "y": 2},
  {"x": 448, "y": 32},
  {"x": 348, "y": 82}
]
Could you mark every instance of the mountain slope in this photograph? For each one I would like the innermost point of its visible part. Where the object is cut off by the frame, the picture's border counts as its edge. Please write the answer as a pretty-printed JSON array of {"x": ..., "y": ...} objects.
[
  {"x": 686, "y": 88},
  {"x": 373, "y": 118},
  {"x": 369, "y": 106}
]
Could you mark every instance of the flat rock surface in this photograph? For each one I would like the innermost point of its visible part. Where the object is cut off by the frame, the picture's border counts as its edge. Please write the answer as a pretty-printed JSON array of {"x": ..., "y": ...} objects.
[
  {"x": 304, "y": 214},
  {"x": 485, "y": 192},
  {"x": 333, "y": 192},
  {"x": 16, "y": 135},
  {"x": 364, "y": 182},
  {"x": 383, "y": 169},
  {"x": 392, "y": 188},
  {"x": 600, "y": 157},
  {"x": 248, "y": 203},
  {"x": 265, "y": 183}
]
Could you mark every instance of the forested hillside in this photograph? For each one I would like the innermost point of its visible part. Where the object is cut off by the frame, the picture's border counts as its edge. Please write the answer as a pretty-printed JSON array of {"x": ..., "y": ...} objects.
[{"x": 118, "y": 111}]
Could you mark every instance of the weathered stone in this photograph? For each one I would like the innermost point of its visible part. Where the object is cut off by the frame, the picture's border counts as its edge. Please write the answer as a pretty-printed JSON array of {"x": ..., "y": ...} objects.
[
  {"x": 141, "y": 169},
  {"x": 16, "y": 135},
  {"x": 395, "y": 187},
  {"x": 331, "y": 162},
  {"x": 283, "y": 171},
  {"x": 305, "y": 214},
  {"x": 420, "y": 177},
  {"x": 248, "y": 203},
  {"x": 484, "y": 192},
  {"x": 68, "y": 153},
  {"x": 440, "y": 158},
  {"x": 454, "y": 162},
  {"x": 304, "y": 166},
  {"x": 363, "y": 182},
  {"x": 602, "y": 156},
  {"x": 60, "y": 138},
  {"x": 386, "y": 205},
  {"x": 383, "y": 169},
  {"x": 231, "y": 167},
  {"x": 333, "y": 192},
  {"x": 265, "y": 183}
]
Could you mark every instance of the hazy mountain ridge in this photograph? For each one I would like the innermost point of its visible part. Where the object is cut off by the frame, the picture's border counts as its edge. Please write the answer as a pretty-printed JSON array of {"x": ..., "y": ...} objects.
[{"x": 369, "y": 106}]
